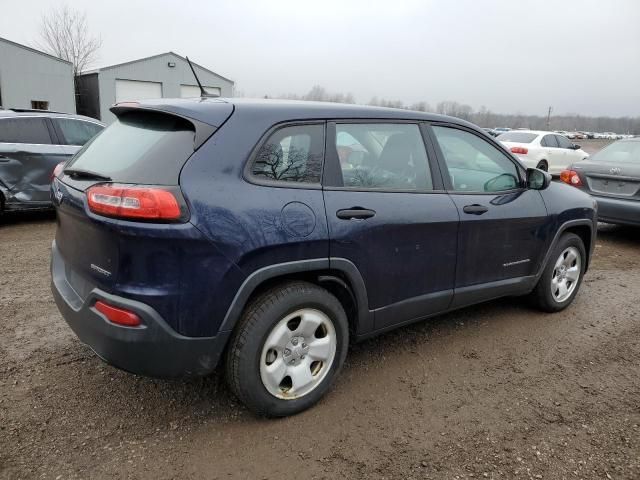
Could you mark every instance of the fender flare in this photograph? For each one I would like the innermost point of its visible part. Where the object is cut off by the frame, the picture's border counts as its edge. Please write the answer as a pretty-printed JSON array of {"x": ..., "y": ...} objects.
[
  {"x": 563, "y": 228},
  {"x": 323, "y": 266}
]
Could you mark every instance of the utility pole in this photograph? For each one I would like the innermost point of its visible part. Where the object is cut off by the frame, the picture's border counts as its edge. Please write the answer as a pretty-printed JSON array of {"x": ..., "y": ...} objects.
[{"x": 549, "y": 118}]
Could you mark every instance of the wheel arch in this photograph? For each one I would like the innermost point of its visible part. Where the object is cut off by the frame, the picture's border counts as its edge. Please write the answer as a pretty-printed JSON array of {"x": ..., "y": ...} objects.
[
  {"x": 339, "y": 276},
  {"x": 583, "y": 231},
  {"x": 584, "y": 228}
]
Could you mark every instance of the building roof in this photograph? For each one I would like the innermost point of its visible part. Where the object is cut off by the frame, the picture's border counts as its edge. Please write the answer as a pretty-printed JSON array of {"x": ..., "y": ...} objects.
[
  {"x": 33, "y": 50},
  {"x": 117, "y": 65}
]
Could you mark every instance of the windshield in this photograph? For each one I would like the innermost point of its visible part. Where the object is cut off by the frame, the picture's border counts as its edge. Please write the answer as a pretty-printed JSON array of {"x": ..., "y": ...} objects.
[
  {"x": 139, "y": 147},
  {"x": 518, "y": 137},
  {"x": 624, "y": 151}
]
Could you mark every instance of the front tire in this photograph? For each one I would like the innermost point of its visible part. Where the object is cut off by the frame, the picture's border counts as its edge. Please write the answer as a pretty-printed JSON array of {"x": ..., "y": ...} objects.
[
  {"x": 562, "y": 276},
  {"x": 287, "y": 349}
]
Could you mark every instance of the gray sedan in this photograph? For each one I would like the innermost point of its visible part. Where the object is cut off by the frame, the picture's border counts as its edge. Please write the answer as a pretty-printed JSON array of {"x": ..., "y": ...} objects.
[
  {"x": 612, "y": 177},
  {"x": 32, "y": 143}
]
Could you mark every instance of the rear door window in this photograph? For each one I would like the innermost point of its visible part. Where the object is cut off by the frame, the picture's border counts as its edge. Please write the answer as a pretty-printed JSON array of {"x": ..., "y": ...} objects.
[
  {"x": 383, "y": 156},
  {"x": 291, "y": 154},
  {"x": 549, "y": 141},
  {"x": 24, "y": 130},
  {"x": 139, "y": 147},
  {"x": 77, "y": 132}
]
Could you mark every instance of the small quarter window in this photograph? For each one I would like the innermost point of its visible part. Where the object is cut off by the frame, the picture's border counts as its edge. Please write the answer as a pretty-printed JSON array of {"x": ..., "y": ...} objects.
[{"x": 291, "y": 154}]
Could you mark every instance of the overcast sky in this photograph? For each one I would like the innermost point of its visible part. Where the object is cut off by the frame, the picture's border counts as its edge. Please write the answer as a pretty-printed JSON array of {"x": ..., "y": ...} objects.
[{"x": 508, "y": 55}]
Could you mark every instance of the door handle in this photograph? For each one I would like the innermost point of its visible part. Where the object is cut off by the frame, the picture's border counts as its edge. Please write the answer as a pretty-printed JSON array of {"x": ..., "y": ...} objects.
[
  {"x": 357, "y": 213},
  {"x": 475, "y": 209}
]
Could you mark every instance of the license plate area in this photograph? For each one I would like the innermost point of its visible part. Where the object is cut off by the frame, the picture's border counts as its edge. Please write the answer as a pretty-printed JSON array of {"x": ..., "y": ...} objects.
[{"x": 613, "y": 186}]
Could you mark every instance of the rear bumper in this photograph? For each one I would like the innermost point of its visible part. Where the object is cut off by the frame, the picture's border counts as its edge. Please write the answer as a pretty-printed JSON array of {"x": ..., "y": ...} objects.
[
  {"x": 153, "y": 349},
  {"x": 617, "y": 210}
]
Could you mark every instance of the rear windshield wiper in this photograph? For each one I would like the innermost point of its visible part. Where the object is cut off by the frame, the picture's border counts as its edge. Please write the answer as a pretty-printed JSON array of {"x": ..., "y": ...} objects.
[{"x": 85, "y": 174}]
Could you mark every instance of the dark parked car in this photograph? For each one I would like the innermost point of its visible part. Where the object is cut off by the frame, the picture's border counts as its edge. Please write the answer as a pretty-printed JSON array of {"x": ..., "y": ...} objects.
[
  {"x": 612, "y": 177},
  {"x": 32, "y": 143},
  {"x": 270, "y": 234}
]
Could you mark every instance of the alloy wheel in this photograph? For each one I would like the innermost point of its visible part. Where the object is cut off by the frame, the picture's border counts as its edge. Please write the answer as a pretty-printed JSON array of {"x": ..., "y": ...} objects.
[
  {"x": 566, "y": 274},
  {"x": 298, "y": 353}
]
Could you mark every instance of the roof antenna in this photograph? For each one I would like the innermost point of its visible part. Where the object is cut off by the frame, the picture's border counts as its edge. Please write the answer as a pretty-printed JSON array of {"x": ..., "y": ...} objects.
[{"x": 203, "y": 92}]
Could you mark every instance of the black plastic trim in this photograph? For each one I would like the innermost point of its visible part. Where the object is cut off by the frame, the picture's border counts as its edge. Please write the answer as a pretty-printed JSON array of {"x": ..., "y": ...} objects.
[
  {"x": 563, "y": 228},
  {"x": 253, "y": 281}
]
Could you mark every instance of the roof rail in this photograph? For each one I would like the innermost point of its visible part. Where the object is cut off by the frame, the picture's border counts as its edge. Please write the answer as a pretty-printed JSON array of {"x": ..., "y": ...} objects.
[{"x": 34, "y": 110}]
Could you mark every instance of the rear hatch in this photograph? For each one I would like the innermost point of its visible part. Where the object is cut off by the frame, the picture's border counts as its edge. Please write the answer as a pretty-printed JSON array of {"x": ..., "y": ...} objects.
[{"x": 143, "y": 151}]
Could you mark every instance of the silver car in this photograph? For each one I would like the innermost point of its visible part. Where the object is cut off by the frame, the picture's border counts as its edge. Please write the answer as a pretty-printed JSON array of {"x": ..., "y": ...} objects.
[
  {"x": 612, "y": 177},
  {"x": 32, "y": 143}
]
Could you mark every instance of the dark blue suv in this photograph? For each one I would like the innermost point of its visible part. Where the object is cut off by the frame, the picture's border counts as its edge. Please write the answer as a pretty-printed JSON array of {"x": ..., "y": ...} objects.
[{"x": 270, "y": 234}]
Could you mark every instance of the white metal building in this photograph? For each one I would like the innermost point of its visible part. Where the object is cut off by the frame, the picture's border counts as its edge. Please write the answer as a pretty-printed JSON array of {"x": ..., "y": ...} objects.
[
  {"x": 30, "y": 78},
  {"x": 161, "y": 76}
]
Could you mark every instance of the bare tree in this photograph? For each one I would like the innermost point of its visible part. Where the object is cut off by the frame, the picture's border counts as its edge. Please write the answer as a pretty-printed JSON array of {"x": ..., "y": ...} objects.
[{"x": 65, "y": 34}]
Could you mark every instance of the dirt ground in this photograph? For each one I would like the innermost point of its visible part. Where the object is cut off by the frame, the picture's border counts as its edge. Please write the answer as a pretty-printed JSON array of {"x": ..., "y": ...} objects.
[
  {"x": 494, "y": 391},
  {"x": 593, "y": 145}
]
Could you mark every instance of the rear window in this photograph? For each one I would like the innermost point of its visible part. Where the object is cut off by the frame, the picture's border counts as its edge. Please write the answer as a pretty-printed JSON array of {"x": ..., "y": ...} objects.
[
  {"x": 139, "y": 147},
  {"x": 77, "y": 132},
  {"x": 517, "y": 137},
  {"x": 625, "y": 152},
  {"x": 24, "y": 130}
]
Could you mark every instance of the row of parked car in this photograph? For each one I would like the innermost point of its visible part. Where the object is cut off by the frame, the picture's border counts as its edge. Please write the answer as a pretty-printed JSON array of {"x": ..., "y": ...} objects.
[
  {"x": 570, "y": 135},
  {"x": 612, "y": 175}
]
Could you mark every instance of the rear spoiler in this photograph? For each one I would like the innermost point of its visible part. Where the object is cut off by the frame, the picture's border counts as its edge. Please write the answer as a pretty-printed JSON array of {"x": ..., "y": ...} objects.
[{"x": 203, "y": 130}]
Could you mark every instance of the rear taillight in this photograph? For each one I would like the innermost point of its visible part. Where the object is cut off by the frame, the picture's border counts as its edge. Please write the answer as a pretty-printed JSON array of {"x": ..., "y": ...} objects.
[
  {"x": 57, "y": 170},
  {"x": 117, "y": 315},
  {"x": 519, "y": 150},
  {"x": 140, "y": 203},
  {"x": 571, "y": 177}
]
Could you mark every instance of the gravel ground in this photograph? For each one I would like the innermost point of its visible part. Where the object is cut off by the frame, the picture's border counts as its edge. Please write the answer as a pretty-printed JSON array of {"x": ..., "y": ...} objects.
[
  {"x": 493, "y": 391},
  {"x": 593, "y": 145}
]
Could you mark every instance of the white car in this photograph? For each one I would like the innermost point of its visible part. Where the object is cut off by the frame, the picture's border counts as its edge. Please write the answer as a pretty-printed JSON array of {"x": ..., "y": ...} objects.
[
  {"x": 612, "y": 136},
  {"x": 547, "y": 151}
]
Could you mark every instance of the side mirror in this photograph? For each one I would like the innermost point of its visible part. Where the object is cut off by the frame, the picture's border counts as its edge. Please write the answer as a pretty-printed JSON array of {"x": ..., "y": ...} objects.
[
  {"x": 575, "y": 147},
  {"x": 538, "y": 179}
]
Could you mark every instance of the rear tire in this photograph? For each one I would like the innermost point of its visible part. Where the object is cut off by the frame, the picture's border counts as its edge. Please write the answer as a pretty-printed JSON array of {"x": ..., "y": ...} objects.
[
  {"x": 287, "y": 349},
  {"x": 543, "y": 165},
  {"x": 562, "y": 276}
]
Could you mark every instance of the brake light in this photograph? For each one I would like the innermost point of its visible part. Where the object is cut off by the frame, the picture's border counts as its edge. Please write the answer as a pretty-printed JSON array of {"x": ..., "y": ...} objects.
[
  {"x": 145, "y": 203},
  {"x": 116, "y": 315},
  {"x": 57, "y": 170},
  {"x": 519, "y": 150},
  {"x": 571, "y": 177}
]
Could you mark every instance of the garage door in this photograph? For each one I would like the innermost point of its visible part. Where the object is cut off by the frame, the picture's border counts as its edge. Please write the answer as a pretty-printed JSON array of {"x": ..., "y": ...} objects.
[
  {"x": 136, "y": 90},
  {"x": 189, "y": 91}
]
